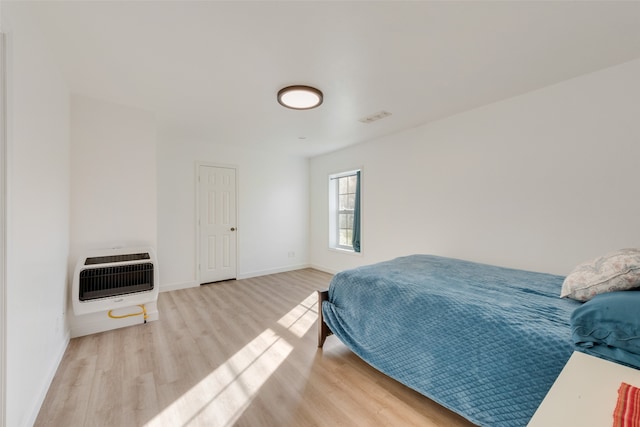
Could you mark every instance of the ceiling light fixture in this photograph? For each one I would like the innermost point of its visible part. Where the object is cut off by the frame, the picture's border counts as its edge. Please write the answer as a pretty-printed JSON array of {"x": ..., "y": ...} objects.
[{"x": 300, "y": 97}]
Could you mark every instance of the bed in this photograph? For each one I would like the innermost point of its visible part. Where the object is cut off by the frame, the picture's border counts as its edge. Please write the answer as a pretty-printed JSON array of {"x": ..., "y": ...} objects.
[{"x": 486, "y": 342}]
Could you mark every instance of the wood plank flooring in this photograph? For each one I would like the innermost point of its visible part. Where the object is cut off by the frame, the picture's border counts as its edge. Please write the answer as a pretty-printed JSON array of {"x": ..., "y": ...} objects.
[{"x": 239, "y": 353}]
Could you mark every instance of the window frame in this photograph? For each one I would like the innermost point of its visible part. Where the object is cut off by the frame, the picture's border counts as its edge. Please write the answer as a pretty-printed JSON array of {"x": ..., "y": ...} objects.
[{"x": 335, "y": 212}]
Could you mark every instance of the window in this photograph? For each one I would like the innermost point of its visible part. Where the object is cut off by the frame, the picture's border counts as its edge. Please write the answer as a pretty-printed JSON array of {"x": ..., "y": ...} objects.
[{"x": 344, "y": 210}]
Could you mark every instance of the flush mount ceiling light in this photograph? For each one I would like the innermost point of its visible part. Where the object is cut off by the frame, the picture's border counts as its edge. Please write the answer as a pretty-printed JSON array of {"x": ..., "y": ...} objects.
[{"x": 300, "y": 97}]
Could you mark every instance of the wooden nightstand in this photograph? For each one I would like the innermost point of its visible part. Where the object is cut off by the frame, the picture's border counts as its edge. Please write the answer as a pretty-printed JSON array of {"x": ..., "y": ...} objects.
[{"x": 584, "y": 394}]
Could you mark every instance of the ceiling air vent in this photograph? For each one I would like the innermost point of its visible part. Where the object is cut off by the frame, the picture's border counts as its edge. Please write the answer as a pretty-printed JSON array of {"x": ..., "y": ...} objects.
[{"x": 373, "y": 117}]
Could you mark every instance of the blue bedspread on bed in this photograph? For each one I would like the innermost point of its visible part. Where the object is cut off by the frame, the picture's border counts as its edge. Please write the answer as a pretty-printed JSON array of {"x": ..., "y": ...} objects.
[{"x": 484, "y": 341}]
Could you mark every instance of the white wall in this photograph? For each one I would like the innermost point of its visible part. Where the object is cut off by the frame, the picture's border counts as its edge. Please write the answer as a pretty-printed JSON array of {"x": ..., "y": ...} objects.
[
  {"x": 272, "y": 210},
  {"x": 113, "y": 184},
  {"x": 37, "y": 216},
  {"x": 113, "y": 175},
  {"x": 540, "y": 182}
]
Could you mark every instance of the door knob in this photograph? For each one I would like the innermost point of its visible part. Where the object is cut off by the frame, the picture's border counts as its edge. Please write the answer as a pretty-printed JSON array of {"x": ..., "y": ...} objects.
[{"x": 233, "y": 229}]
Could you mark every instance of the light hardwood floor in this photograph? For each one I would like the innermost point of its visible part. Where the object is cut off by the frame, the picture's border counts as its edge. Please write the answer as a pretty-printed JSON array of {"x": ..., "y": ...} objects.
[{"x": 234, "y": 353}]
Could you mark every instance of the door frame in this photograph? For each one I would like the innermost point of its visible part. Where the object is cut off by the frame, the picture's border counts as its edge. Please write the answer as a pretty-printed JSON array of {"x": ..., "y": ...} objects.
[
  {"x": 4, "y": 135},
  {"x": 197, "y": 213}
]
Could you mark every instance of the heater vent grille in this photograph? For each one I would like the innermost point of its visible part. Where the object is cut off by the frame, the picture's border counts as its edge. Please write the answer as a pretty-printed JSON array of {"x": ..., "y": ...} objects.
[{"x": 104, "y": 282}]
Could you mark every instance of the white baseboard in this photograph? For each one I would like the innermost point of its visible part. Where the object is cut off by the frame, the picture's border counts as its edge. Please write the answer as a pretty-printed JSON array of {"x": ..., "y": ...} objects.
[
  {"x": 48, "y": 380},
  {"x": 185, "y": 285},
  {"x": 272, "y": 271},
  {"x": 324, "y": 269},
  {"x": 178, "y": 286}
]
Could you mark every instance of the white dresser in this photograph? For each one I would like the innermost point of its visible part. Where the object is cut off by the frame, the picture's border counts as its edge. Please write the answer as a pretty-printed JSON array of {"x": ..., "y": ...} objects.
[{"x": 584, "y": 394}]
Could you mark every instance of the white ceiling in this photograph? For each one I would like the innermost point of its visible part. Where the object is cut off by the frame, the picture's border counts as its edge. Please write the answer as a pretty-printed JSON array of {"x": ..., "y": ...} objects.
[{"x": 210, "y": 70}]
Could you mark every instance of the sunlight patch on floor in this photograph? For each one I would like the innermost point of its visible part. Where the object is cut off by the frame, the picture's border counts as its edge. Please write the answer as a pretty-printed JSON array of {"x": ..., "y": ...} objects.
[
  {"x": 221, "y": 397},
  {"x": 301, "y": 317}
]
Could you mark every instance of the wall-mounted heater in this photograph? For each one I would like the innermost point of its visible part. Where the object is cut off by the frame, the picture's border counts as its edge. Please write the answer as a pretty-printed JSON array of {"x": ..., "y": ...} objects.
[{"x": 109, "y": 279}]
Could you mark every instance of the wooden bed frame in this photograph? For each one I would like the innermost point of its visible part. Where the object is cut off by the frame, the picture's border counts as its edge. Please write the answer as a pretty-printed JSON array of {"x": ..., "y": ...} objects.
[{"x": 323, "y": 329}]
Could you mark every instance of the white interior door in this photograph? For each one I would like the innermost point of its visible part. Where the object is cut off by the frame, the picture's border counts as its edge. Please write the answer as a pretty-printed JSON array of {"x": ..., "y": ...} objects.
[{"x": 217, "y": 223}]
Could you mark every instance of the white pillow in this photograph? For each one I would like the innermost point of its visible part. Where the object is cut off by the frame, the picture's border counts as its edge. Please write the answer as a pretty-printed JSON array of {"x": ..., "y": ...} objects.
[{"x": 617, "y": 271}]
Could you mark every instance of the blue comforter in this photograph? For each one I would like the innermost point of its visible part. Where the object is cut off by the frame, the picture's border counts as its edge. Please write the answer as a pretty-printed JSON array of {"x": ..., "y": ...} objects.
[{"x": 484, "y": 341}]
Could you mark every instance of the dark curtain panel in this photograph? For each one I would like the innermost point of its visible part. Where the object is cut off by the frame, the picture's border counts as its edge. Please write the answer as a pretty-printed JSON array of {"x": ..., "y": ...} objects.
[{"x": 355, "y": 240}]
